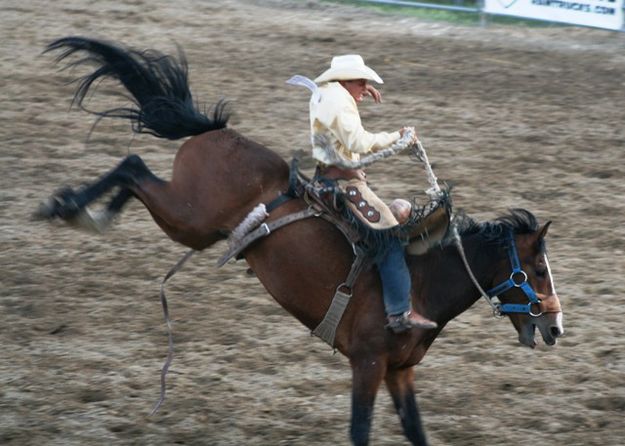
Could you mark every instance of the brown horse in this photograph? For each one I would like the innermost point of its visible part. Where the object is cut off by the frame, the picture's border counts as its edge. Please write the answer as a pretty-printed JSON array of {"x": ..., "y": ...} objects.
[{"x": 219, "y": 176}]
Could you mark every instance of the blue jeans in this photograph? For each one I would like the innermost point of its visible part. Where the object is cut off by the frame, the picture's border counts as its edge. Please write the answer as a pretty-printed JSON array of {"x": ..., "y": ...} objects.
[{"x": 395, "y": 279}]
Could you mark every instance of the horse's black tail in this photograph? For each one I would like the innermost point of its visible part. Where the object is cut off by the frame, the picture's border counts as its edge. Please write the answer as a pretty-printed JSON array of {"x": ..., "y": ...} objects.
[{"x": 158, "y": 84}]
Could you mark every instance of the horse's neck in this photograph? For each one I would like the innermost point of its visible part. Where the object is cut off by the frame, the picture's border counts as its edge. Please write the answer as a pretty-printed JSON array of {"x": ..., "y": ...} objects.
[{"x": 449, "y": 288}]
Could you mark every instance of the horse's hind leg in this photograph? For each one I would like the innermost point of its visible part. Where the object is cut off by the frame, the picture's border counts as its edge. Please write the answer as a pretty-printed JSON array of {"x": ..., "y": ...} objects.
[
  {"x": 399, "y": 383},
  {"x": 71, "y": 205}
]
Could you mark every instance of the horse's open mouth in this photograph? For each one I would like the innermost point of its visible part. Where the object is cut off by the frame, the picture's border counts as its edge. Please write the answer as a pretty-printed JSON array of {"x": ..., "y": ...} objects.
[
  {"x": 527, "y": 341},
  {"x": 552, "y": 339},
  {"x": 527, "y": 337},
  {"x": 550, "y": 327}
]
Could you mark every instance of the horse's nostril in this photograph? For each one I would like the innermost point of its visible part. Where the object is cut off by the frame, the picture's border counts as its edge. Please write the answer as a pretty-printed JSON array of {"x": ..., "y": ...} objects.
[{"x": 555, "y": 332}]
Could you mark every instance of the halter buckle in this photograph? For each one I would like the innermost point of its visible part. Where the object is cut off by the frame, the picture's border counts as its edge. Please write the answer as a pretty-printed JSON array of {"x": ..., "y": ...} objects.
[
  {"x": 529, "y": 309},
  {"x": 265, "y": 229},
  {"x": 318, "y": 212},
  {"x": 514, "y": 274},
  {"x": 497, "y": 311}
]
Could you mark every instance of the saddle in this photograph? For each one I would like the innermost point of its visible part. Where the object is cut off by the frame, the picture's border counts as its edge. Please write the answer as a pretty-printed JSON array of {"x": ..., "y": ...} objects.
[{"x": 425, "y": 227}]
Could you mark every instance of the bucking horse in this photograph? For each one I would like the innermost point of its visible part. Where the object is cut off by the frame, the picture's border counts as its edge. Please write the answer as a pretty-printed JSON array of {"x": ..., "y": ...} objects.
[{"x": 219, "y": 177}]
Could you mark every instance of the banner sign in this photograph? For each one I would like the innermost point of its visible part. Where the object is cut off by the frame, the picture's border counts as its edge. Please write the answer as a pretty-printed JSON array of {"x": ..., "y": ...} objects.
[{"x": 606, "y": 14}]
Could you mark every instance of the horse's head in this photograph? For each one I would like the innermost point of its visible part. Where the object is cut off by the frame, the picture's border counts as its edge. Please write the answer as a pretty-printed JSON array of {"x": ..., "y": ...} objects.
[{"x": 526, "y": 290}]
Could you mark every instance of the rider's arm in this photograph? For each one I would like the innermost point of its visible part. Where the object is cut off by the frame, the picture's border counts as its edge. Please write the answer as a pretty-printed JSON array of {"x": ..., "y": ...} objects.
[
  {"x": 337, "y": 112},
  {"x": 349, "y": 131}
]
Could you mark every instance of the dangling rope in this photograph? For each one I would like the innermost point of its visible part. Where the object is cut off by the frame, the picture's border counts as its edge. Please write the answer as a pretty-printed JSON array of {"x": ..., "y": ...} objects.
[
  {"x": 170, "y": 338},
  {"x": 419, "y": 153}
]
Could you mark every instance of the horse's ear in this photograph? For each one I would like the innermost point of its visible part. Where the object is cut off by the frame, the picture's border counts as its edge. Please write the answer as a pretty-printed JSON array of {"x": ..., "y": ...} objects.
[{"x": 542, "y": 232}]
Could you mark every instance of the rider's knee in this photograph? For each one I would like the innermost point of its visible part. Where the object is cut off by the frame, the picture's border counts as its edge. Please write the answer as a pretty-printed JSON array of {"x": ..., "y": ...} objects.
[{"x": 401, "y": 210}]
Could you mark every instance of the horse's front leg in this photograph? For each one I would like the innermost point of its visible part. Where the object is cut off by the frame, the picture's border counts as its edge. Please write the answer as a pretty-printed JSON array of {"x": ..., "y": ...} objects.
[
  {"x": 401, "y": 388},
  {"x": 367, "y": 376}
]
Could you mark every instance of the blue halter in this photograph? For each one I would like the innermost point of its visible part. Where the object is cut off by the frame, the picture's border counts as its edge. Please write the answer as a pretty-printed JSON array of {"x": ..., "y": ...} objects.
[{"x": 518, "y": 279}]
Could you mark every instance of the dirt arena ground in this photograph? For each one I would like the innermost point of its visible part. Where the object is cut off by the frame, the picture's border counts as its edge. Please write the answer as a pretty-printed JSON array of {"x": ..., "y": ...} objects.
[{"x": 513, "y": 116}]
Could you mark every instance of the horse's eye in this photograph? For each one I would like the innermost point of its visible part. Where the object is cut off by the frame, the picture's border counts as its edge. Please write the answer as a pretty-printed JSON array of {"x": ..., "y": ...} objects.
[{"x": 541, "y": 271}]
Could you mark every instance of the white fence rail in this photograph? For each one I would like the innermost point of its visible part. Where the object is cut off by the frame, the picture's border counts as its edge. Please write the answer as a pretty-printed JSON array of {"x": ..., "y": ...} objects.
[
  {"x": 604, "y": 14},
  {"x": 425, "y": 5}
]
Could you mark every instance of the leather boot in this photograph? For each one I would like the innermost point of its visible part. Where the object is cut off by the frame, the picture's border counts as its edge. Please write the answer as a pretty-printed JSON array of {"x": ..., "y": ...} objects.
[{"x": 408, "y": 320}]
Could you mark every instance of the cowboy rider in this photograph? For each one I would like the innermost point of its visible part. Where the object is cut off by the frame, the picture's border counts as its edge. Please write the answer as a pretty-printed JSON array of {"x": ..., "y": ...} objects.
[{"x": 334, "y": 114}]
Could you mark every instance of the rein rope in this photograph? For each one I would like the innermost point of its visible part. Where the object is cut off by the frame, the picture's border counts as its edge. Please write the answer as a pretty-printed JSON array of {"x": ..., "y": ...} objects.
[
  {"x": 170, "y": 338},
  {"x": 458, "y": 241},
  {"x": 433, "y": 192},
  {"x": 418, "y": 152}
]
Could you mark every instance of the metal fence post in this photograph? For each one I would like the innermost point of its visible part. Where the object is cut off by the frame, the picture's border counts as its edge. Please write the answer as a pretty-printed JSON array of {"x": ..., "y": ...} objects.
[{"x": 481, "y": 4}]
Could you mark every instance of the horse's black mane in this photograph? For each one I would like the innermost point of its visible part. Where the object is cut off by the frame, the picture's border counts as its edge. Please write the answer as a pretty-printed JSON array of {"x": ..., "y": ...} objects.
[{"x": 519, "y": 221}]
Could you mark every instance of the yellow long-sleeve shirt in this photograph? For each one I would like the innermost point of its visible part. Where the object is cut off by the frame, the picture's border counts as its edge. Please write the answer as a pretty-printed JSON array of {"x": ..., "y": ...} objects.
[{"x": 333, "y": 113}]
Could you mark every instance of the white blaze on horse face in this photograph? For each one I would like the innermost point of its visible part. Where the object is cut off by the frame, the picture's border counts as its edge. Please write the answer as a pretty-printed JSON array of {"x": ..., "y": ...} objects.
[
  {"x": 553, "y": 285},
  {"x": 554, "y": 295},
  {"x": 559, "y": 323},
  {"x": 556, "y": 327},
  {"x": 551, "y": 302}
]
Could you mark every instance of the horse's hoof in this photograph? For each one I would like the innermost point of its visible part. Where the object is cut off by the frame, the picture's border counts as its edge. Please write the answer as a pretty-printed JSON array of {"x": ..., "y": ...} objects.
[
  {"x": 46, "y": 210},
  {"x": 61, "y": 204},
  {"x": 92, "y": 221},
  {"x": 67, "y": 208}
]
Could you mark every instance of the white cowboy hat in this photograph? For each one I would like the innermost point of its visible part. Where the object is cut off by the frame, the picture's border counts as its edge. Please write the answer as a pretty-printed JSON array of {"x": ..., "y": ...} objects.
[{"x": 348, "y": 67}]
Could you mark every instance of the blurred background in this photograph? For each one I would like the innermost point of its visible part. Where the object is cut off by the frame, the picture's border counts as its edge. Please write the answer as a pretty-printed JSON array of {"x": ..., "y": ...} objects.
[{"x": 514, "y": 113}]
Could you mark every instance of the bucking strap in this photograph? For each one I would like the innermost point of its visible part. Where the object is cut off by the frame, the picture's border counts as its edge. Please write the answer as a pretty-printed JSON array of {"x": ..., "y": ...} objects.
[{"x": 262, "y": 231}]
